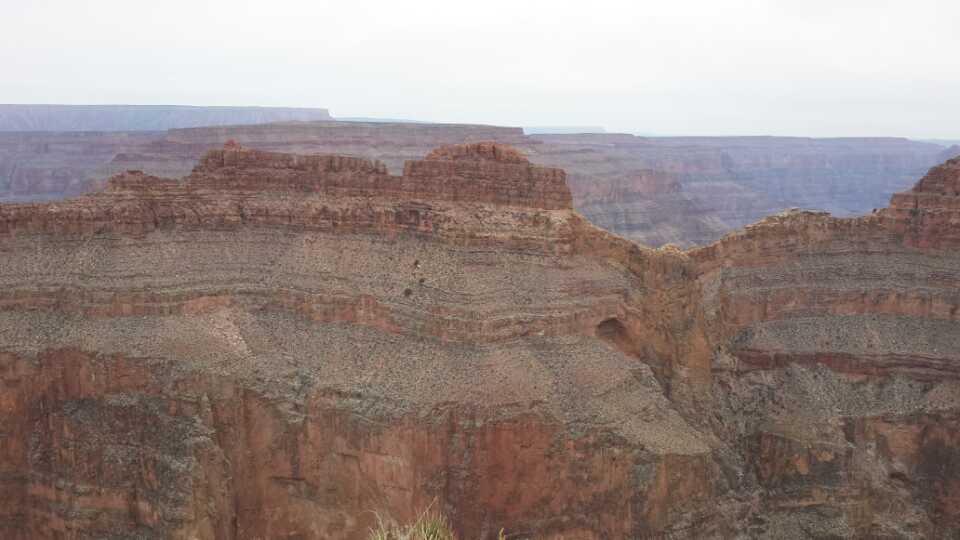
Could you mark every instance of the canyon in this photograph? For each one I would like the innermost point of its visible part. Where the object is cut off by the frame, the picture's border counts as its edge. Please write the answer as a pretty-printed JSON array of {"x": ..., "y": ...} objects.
[
  {"x": 654, "y": 190},
  {"x": 282, "y": 345}
]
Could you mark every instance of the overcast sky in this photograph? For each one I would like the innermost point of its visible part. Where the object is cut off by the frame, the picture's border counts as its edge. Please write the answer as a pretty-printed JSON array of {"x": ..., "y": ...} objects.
[{"x": 713, "y": 67}]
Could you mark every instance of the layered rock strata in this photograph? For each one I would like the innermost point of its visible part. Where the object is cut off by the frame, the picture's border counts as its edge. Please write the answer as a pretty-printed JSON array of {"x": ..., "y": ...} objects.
[
  {"x": 289, "y": 346},
  {"x": 50, "y": 166},
  {"x": 837, "y": 364},
  {"x": 712, "y": 185},
  {"x": 729, "y": 182},
  {"x": 284, "y": 345}
]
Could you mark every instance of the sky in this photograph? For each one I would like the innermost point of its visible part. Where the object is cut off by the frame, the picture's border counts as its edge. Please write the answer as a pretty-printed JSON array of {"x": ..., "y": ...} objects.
[{"x": 670, "y": 67}]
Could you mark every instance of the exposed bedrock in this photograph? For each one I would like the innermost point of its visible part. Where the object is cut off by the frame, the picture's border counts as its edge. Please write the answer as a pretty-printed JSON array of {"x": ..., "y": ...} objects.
[
  {"x": 836, "y": 364},
  {"x": 282, "y": 345},
  {"x": 286, "y": 345}
]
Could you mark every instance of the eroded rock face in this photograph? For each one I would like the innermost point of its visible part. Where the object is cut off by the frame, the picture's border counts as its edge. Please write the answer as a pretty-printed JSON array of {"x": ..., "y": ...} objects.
[
  {"x": 836, "y": 366},
  {"x": 649, "y": 206},
  {"x": 729, "y": 182},
  {"x": 703, "y": 187},
  {"x": 284, "y": 346}
]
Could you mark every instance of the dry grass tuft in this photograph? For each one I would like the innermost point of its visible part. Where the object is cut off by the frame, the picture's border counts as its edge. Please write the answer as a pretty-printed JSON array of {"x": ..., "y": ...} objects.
[{"x": 430, "y": 525}]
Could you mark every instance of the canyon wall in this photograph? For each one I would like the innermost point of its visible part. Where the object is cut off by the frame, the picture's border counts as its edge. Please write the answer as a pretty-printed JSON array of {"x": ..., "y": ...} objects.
[
  {"x": 47, "y": 165},
  {"x": 702, "y": 187},
  {"x": 287, "y": 345},
  {"x": 729, "y": 182},
  {"x": 66, "y": 164},
  {"x": 836, "y": 367}
]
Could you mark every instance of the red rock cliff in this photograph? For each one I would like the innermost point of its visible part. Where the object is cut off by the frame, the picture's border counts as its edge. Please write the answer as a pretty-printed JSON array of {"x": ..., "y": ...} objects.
[
  {"x": 280, "y": 346},
  {"x": 839, "y": 353},
  {"x": 722, "y": 183}
]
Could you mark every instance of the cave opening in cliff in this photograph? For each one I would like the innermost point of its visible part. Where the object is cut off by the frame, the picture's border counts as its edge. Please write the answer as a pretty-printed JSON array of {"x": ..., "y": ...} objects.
[{"x": 614, "y": 332}]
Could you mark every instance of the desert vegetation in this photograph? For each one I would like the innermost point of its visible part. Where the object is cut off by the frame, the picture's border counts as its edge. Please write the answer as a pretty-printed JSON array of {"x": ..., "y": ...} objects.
[{"x": 429, "y": 525}]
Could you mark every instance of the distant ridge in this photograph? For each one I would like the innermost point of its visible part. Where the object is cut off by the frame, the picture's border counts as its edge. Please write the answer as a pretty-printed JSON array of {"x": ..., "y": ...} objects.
[
  {"x": 562, "y": 130},
  {"x": 374, "y": 120},
  {"x": 143, "y": 117}
]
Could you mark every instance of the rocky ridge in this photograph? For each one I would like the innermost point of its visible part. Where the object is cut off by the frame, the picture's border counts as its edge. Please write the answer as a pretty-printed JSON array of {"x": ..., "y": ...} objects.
[
  {"x": 277, "y": 345},
  {"x": 716, "y": 184},
  {"x": 836, "y": 363}
]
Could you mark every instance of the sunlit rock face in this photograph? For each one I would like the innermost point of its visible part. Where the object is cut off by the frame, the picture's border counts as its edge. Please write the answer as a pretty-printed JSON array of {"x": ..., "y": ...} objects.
[{"x": 282, "y": 345}]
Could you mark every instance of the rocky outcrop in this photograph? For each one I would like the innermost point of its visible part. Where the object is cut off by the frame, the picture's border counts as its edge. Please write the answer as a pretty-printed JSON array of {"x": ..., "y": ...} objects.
[
  {"x": 837, "y": 363},
  {"x": 717, "y": 184},
  {"x": 287, "y": 346},
  {"x": 44, "y": 165},
  {"x": 283, "y": 345},
  {"x": 942, "y": 182},
  {"x": 729, "y": 182}
]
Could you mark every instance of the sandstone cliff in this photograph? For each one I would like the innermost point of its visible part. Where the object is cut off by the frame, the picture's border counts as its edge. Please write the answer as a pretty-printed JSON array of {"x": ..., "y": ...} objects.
[{"x": 280, "y": 345}]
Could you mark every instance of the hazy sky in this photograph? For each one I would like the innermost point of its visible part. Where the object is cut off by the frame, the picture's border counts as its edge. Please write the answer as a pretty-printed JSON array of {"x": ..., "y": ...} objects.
[{"x": 799, "y": 67}]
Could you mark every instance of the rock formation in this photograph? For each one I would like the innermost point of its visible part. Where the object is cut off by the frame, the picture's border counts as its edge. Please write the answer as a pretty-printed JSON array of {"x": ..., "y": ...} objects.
[
  {"x": 649, "y": 206},
  {"x": 282, "y": 346},
  {"x": 729, "y": 182},
  {"x": 45, "y": 165},
  {"x": 836, "y": 364},
  {"x": 713, "y": 185},
  {"x": 279, "y": 345}
]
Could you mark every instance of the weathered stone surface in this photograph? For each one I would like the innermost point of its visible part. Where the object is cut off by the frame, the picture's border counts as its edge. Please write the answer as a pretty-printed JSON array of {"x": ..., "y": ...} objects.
[
  {"x": 839, "y": 360},
  {"x": 311, "y": 339},
  {"x": 280, "y": 346}
]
